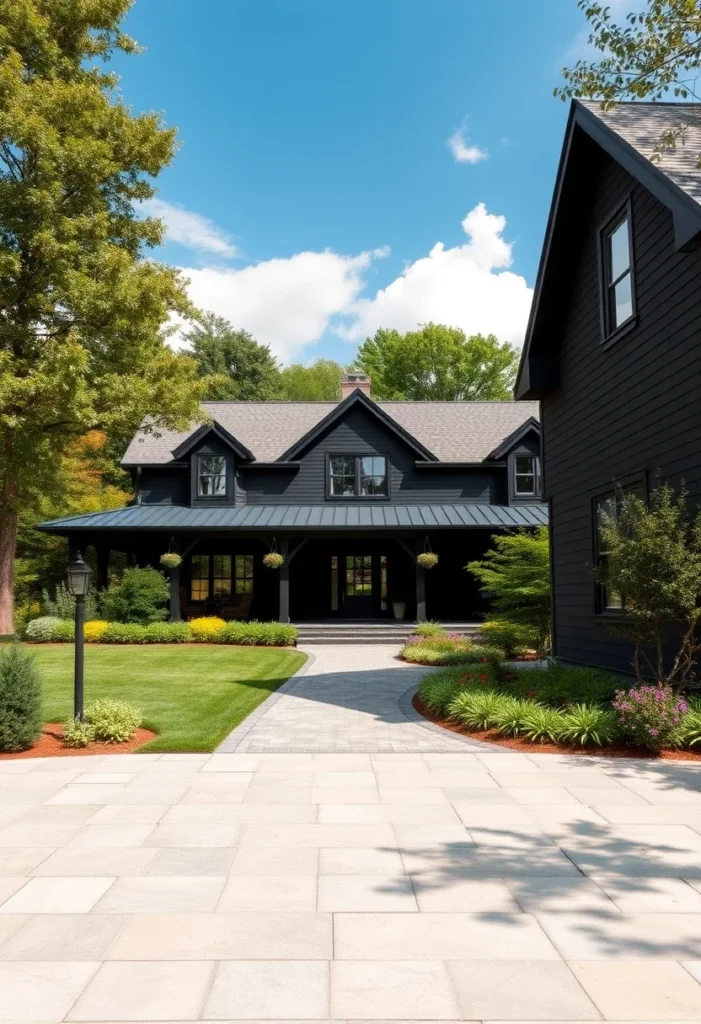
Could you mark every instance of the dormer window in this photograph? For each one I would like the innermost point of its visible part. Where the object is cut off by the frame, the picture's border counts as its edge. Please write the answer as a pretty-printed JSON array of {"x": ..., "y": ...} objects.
[
  {"x": 211, "y": 476},
  {"x": 617, "y": 272},
  {"x": 526, "y": 476},
  {"x": 357, "y": 476}
]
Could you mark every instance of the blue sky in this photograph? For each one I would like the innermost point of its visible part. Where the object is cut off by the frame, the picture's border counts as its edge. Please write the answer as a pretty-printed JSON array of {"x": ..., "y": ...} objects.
[{"x": 314, "y": 179}]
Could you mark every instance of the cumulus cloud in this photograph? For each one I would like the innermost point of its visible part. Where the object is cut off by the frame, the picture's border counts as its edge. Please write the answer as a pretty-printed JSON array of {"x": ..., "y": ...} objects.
[
  {"x": 190, "y": 229},
  {"x": 285, "y": 303},
  {"x": 468, "y": 286},
  {"x": 463, "y": 151}
]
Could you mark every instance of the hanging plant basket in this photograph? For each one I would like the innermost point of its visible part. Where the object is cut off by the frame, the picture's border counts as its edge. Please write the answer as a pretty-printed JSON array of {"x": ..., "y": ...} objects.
[
  {"x": 273, "y": 560},
  {"x": 171, "y": 560},
  {"x": 427, "y": 559}
]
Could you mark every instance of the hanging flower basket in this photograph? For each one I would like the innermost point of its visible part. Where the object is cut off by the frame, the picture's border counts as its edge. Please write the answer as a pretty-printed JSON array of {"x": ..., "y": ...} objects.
[
  {"x": 427, "y": 560},
  {"x": 171, "y": 560},
  {"x": 273, "y": 560}
]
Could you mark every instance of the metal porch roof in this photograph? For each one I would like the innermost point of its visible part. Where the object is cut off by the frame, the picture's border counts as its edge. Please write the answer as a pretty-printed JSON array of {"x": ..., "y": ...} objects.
[{"x": 303, "y": 517}]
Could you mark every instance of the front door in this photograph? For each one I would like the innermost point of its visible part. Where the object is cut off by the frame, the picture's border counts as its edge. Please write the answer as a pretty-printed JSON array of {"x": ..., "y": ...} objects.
[{"x": 356, "y": 587}]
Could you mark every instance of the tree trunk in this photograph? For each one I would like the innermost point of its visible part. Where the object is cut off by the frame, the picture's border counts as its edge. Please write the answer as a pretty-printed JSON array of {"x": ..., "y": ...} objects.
[{"x": 8, "y": 546}]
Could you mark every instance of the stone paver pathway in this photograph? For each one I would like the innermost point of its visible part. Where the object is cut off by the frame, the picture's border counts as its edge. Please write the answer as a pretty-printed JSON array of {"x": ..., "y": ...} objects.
[
  {"x": 463, "y": 885},
  {"x": 348, "y": 700}
]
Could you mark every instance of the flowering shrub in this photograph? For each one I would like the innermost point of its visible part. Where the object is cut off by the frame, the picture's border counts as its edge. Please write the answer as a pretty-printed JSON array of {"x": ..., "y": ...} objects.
[
  {"x": 95, "y": 630},
  {"x": 206, "y": 630},
  {"x": 651, "y": 715}
]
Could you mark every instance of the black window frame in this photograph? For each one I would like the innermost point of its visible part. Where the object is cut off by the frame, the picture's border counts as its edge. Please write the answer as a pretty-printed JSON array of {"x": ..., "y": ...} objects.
[
  {"x": 616, "y": 490},
  {"x": 357, "y": 476},
  {"x": 211, "y": 497},
  {"x": 611, "y": 331},
  {"x": 524, "y": 495}
]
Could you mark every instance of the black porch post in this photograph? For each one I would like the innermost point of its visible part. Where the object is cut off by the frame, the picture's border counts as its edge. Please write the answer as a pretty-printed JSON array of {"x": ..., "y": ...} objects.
[
  {"x": 284, "y": 614},
  {"x": 174, "y": 582},
  {"x": 420, "y": 585}
]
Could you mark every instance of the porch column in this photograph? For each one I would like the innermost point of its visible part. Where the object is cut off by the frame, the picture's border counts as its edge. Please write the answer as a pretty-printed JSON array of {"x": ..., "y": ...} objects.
[
  {"x": 174, "y": 582},
  {"x": 420, "y": 585},
  {"x": 284, "y": 615}
]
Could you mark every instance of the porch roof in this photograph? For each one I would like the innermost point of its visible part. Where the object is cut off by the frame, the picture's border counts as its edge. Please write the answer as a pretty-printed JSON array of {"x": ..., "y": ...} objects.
[{"x": 303, "y": 517}]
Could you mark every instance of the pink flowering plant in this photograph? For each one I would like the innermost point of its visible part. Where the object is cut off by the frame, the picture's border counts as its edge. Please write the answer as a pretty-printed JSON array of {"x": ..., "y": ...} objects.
[{"x": 651, "y": 715}]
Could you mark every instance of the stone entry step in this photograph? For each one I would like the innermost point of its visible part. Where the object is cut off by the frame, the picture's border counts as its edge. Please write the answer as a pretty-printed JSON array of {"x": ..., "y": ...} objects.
[{"x": 369, "y": 632}]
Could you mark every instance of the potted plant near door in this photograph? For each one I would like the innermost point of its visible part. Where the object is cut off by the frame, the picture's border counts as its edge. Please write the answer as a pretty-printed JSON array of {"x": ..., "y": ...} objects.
[{"x": 399, "y": 609}]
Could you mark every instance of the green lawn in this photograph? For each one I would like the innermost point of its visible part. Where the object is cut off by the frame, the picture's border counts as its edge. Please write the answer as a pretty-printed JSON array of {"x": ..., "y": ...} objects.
[{"x": 191, "y": 696}]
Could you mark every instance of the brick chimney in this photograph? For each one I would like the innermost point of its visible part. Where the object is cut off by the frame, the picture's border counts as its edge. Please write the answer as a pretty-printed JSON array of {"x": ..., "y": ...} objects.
[{"x": 352, "y": 381}]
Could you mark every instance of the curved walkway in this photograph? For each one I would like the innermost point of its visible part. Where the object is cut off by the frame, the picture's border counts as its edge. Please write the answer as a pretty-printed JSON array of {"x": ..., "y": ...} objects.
[{"x": 346, "y": 699}]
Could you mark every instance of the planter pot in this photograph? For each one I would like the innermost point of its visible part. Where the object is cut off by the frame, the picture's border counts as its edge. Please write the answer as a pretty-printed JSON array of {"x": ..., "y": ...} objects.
[{"x": 399, "y": 609}]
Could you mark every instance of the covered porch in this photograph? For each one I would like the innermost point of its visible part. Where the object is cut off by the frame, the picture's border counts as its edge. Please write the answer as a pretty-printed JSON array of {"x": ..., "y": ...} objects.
[{"x": 340, "y": 563}]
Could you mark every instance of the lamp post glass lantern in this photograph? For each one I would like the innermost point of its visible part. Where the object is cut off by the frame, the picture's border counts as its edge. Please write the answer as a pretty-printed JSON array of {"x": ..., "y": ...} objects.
[{"x": 79, "y": 576}]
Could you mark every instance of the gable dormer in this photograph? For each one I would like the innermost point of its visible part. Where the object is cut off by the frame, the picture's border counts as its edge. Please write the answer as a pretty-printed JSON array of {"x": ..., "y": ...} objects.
[
  {"x": 521, "y": 451},
  {"x": 212, "y": 453}
]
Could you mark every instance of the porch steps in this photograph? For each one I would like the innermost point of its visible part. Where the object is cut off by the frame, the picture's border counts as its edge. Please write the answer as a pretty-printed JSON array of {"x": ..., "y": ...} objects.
[{"x": 369, "y": 632}]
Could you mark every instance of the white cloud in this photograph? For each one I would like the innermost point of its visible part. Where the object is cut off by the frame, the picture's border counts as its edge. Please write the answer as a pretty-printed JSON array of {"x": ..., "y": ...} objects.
[
  {"x": 285, "y": 303},
  {"x": 464, "y": 152},
  {"x": 190, "y": 229},
  {"x": 468, "y": 286}
]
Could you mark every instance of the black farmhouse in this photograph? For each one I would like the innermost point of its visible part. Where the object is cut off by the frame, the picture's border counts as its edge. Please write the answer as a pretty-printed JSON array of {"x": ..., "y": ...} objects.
[
  {"x": 613, "y": 347},
  {"x": 350, "y": 493}
]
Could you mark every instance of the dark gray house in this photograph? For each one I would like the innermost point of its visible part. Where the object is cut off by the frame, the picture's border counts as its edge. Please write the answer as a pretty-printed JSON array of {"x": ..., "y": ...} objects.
[
  {"x": 613, "y": 347},
  {"x": 349, "y": 492}
]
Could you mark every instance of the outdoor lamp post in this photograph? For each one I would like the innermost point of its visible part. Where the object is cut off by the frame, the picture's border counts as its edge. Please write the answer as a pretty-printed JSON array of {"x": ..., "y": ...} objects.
[{"x": 79, "y": 575}]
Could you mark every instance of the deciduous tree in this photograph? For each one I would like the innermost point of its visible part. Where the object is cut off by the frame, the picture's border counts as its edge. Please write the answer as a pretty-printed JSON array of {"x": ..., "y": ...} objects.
[
  {"x": 318, "y": 382},
  {"x": 81, "y": 310},
  {"x": 438, "y": 363},
  {"x": 240, "y": 369}
]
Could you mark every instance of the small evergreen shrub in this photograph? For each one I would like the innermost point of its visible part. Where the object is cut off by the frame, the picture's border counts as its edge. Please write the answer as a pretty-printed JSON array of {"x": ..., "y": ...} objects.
[
  {"x": 124, "y": 633},
  {"x": 589, "y": 725},
  {"x": 140, "y": 596},
  {"x": 562, "y": 685},
  {"x": 77, "y": 734},
  {"x": 41, "y": 630},
  {"x": 113, "y": 721},
  {"x": 651, "y": 715},
  {"x": 261, "y": 634},
  {"x": 95, "y": 630},
  {"x": 166, "y": 633},
  {"x": 20, "y": 699},
  {"x": 514, "y": 638},
  {"x": 206, "y": 630}
]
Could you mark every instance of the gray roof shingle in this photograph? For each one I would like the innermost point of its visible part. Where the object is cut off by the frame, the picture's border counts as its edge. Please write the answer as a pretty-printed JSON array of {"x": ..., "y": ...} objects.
[
  {"x": 642, "y": 124},
  {"x": 453, "y": 431}
]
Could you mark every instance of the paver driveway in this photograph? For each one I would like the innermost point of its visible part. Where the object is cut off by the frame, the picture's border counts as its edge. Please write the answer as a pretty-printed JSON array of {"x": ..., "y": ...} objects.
[{"x": 456, "y": 885}]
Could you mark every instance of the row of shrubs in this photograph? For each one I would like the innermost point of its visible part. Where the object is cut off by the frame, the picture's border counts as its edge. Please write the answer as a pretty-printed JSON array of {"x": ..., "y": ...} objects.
[
  {"x": 431, "y": 644},
  {"x": 209, "y": 630},
  {"x": 575, "y": 706}
]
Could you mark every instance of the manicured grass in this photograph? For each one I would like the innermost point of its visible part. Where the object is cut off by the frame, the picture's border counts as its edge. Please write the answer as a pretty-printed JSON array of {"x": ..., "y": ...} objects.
[{"x": 192, "y": 696}]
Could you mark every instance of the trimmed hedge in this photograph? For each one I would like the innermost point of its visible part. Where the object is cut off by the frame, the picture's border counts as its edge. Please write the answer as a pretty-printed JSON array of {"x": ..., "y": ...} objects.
[{"x": 204, "y": 630}]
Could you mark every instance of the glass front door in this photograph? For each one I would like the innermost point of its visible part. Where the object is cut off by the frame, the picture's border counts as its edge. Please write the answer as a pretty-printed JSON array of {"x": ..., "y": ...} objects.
[{"x": 357, "y": 589}]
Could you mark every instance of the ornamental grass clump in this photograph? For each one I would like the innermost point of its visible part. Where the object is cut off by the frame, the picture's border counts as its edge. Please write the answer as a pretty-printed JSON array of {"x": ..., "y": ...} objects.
[
  {"x": 475, "y": 709},
  {"x": 589, "y": 725},
  {"x": 651, "y": 715}
]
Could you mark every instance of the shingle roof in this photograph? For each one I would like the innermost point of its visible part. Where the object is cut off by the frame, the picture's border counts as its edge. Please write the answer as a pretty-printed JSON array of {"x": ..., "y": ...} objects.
[
  {"x": 320, "y": 517},
  {"x": 642, "y": 124},
  {"x": 453, "y": 431}
]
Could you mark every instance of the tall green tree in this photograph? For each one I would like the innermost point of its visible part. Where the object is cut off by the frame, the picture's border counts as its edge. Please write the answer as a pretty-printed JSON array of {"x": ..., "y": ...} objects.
[
  {"x": 650, "y": 54},
  {"x": 318, "y": 382},
  {"x": 438, "y": 363},
  {"x": 82, "y": 312},
  {"x": 240, "y": 369}
]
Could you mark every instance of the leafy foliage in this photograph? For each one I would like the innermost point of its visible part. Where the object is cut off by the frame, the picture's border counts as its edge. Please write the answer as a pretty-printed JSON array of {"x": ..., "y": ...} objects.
[
  {"x": 140, "y": 596},
  {"x": 259, "y": 634},
  {"x": 429, "y": 629},
  {"x": 650, "y": 55},
  {"x": 589, "y": 725},
  {"x": 166, "y": 633},
  {"x": 113, "y": 721},
  {"x": 513, "y": 638},
  {"x": 62, "y": 604},
  {"x": 543, "y": 724},
  {"x": 562, "y": 685},
  {"x": 651, "y": 715},
  {"x": 516, "y": 572},
  {"x": 438, "y": 363},
  {"x": 437, "y": 690},
  {"x": 206, "y": 630},
  {"x": 236, "y": 366},
  {"x": 318, "y": 382},
  {"x": 690, "y": 725},
  {"x": 438, "y": 651},
  {"x": 94, "y": 630},
  {"x": 82, "y": 339},
  {"x": 20, "y": 699},
  {"x": 42, "y": 630},
  {"x": 474, "y": 709},
  {"x": 77, "y": 734},
  {"x": 654, "y": 563}
]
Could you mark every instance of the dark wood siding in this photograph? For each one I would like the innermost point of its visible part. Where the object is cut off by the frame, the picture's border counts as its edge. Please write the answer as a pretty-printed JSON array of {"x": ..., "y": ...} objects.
[
  {"x": 164, "y": 486},
  {"x": 629, "y": 407}
]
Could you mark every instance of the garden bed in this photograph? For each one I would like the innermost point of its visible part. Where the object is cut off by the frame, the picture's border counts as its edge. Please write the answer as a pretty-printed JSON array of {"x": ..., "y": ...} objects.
[
  {"x": 50, "y": 744},
  {"x": 528, "y": 747}
]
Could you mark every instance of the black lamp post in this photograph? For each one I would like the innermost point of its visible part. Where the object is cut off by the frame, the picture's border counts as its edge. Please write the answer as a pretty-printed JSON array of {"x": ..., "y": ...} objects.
[{"x": 79, "y": 575}]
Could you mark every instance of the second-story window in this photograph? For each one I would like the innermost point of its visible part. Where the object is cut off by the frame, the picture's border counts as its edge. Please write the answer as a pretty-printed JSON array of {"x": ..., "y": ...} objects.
[
  {"x": 617, "y": 265},
  {"x": 526, "y": 483},
  {"x": 357, "y": 476},
  {"x": 211, "y": 476}
]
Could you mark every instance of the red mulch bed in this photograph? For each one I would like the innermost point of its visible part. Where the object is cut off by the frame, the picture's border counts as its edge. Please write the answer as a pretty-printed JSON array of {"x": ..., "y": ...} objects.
[
  {"x": 516, "y": 743},
  {"x": 49, "y": 745}
]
